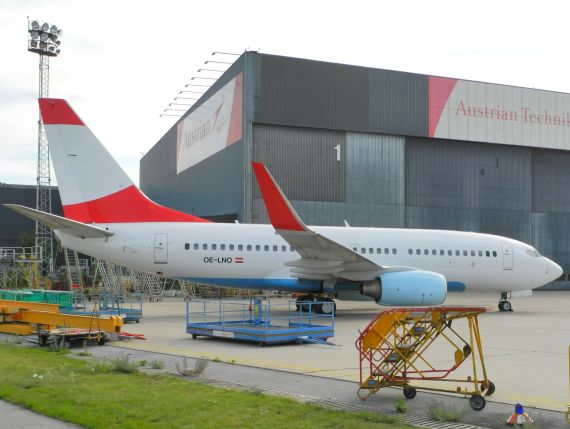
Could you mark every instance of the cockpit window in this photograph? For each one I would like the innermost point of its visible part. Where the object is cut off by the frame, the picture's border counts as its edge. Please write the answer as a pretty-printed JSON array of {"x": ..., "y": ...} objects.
[{"x": 533, "y": 253}]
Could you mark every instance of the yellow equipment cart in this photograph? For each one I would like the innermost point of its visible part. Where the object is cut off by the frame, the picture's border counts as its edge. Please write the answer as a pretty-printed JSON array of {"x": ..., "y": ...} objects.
[{"x": 406, "y": 347}]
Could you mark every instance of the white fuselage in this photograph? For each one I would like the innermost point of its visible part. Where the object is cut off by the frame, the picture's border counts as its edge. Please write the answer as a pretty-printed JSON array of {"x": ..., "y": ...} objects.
[{"x": 254, "y": 256}]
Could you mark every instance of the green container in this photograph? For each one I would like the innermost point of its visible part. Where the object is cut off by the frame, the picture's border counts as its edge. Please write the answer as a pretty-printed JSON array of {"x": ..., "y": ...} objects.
[{"x": 62, "y": 298}]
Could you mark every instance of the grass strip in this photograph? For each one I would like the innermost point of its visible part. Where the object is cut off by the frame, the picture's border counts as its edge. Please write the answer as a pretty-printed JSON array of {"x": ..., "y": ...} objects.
[{"x": 88, "y": 393}]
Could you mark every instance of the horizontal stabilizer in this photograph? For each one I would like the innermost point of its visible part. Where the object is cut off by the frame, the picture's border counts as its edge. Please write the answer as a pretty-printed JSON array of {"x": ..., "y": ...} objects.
[{"x": 62, "y": 224}]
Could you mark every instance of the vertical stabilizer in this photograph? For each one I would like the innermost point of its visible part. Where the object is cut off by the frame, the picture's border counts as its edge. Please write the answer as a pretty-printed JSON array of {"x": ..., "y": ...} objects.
[{"x": 92, "y": 186}]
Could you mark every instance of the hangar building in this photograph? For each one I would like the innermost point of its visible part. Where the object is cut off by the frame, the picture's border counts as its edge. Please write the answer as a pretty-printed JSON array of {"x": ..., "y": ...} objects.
[{"x": 372, "y": 147}]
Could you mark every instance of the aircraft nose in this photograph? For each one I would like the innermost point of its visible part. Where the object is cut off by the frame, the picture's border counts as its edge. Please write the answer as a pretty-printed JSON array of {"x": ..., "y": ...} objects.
[{"x": 553, "y": 269}]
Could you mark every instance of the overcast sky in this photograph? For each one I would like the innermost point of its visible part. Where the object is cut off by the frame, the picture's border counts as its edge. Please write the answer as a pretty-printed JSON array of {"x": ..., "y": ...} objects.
[{"x": 123, "y": 61}]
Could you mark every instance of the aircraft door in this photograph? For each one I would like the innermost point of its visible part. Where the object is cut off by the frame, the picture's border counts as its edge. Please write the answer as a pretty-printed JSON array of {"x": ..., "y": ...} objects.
[
  {"x": 507, "y": 257},
  {"x": 160, "y": 248}
]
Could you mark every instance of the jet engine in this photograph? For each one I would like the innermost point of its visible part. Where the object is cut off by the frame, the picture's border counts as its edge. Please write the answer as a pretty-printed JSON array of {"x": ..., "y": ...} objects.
[{"x": 407, "y": 288}]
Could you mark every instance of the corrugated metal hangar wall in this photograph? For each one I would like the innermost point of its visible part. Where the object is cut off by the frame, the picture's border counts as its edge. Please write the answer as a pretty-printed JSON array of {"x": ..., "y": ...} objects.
[{"x": 362, "y": 145}]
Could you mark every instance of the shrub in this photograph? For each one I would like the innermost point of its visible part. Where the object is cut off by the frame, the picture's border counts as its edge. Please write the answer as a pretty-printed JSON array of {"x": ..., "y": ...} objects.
[{"x": 401, "y": 405}]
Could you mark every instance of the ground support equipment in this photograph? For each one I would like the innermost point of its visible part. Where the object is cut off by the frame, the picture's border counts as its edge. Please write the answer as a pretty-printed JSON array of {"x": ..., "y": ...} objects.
[
  {"x": 128, "y": 308},
  {"x": 403, "y": 347},
  {"x": 68, "y": 336},
  {"x": 45, "y": 319},
  {"x": 257, "y": 321},
  {"x": 568, "y": 410}
]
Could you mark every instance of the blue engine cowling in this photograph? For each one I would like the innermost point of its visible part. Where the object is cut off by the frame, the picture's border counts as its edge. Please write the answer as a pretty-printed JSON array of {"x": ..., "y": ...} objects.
[{"x": 407, "y": 288}]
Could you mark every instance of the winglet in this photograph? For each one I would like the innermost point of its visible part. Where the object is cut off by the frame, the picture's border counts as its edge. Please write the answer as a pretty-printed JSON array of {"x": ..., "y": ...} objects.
[{"x": 281, "y": 213}]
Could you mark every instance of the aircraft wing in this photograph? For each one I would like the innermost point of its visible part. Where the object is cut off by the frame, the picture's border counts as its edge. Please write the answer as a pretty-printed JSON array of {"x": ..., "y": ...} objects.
[
  {"x": 321, "y": 257},
  {"x": 62, "y": 224}
]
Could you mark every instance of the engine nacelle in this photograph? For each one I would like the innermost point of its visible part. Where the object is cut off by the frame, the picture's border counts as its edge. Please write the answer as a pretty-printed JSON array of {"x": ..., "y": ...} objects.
[{"x": 407, "y": 288}]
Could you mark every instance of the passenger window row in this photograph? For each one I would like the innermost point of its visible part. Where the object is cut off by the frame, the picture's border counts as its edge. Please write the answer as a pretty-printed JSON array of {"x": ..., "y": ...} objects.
[
  {"x": 239, "y": 247},
  {"x": 370, "y": 250},
  {"x": 442, "y": 252}
]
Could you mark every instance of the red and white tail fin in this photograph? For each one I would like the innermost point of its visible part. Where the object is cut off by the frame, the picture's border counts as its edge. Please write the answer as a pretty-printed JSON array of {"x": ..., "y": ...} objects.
[{"x": 92, "y": 186}]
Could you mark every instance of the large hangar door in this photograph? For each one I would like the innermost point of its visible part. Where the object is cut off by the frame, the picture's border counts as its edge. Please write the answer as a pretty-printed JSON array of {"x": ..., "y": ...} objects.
[
  {"x": 507, "y": 257},
  {"x": 310, "y": 167}
]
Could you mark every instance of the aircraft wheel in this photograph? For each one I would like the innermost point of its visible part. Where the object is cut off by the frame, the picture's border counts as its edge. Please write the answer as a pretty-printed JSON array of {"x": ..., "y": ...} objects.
[
  {"x": 477, "y": 402},
  {"x": 327, "y": 307},
  {"x": 102, "y": 340},
  {"x": 409, "y": 392},
  {"x": 304, "y": 298},
  {"x": 505, "y": 306}
]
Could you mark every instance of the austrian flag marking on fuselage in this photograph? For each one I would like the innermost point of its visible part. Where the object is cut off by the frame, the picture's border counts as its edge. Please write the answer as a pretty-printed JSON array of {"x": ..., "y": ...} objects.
[{"x": 239, "y": 260}]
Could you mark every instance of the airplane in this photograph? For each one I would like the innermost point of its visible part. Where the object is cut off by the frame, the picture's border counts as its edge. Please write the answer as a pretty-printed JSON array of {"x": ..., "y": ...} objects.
[{"x": 106, "y": 216}]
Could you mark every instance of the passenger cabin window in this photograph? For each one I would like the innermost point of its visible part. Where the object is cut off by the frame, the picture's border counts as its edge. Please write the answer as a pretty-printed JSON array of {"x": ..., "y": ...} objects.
[
  {"x": 258, "y": 248},
  {"x": 378, "y": 251},
  {"x": 449, "y": 253},
  {"x": 433, "y": 252},
  {"x": 275, "y": 248},
  {"x": 213, "y": 247},
  {"x": 465, "y": 253},
  {"x": 355, "y": 249},
  {"x": 196, "y": 246},
  {"x": 441, "y": 252},
  {"x": 410, "y": 251},
  {"x": 370, "y": 250},
  {"x": 418, "y": 252},
  {"x": 362, "y": 250},
  {"x": 204, "y": 246},
  {"x": 283, "y": 248},
  {"x": 386, "y": 250},
  {"x": 266, "y": 248},
  {"x": 394, "y": 251},
  {"x": 426, "y": 252},
  {"x": 187, "y": 246},
  {"x": 231, "y": 247},
  {"x": 494, "y": 254},
  {"x": 249, "y": 247},
  {"x": 487, "y": 253},
  {"x": 457, "y": 253},
  {"x": 222, "y": 247},
  {"x": 480, "y": 253},
  {"x": 240, "y": 246},
  {"x": 473, "y": 253}
]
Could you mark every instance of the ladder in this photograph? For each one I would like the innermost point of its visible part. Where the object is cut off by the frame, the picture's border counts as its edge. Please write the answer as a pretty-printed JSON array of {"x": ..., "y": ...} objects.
[
  {"x": 109, "y": 277},
  {"x": 189, "y": 289},
  {"x": 73, "y": 271},
  {"x": 153, "y": 285}
]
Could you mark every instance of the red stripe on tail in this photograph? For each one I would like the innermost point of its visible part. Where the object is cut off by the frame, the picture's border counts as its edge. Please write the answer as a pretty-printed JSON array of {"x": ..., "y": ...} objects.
[
  {"x": 126, "y": 206},
  {"x": 57, "y": 111}
]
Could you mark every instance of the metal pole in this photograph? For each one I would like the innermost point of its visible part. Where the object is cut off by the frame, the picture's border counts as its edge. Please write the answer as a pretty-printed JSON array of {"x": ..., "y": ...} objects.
[{"x": 44, "y": 238}]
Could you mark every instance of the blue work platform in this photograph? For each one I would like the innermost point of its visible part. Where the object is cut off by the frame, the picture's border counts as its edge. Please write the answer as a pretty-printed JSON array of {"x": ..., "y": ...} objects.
[
  {"x": 128, "y": 308},
  {"x": 258, "y": 321}
]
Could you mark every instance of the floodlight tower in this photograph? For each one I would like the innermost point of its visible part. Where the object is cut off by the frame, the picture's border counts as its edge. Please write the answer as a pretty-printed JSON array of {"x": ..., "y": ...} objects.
[{"x": 44, "y": 39}]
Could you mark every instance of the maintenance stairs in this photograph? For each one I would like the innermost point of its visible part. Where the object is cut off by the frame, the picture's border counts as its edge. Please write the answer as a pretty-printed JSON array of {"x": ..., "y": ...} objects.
[
  {"x": 396, "y": 349},
  {"x": 117, "y": 281},
  {"x": 73, "y": 271}
]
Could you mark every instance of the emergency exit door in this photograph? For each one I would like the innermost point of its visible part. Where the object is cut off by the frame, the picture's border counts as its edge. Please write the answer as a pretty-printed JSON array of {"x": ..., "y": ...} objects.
[{"x": 160, "y": 248}]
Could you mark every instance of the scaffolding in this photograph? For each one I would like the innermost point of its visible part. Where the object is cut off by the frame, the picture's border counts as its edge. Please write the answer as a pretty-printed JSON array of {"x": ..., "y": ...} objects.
[{"x": 20, "y": 268}]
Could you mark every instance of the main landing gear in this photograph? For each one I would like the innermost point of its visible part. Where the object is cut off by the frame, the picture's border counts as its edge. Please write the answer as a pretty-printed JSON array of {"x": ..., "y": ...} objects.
[
  {"x": 504, "y": 303},
  {"x": 325, "y": 305}
]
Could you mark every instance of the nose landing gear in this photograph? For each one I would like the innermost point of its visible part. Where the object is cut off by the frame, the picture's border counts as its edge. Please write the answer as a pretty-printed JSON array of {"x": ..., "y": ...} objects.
[{"x": 504, "y": 303}]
